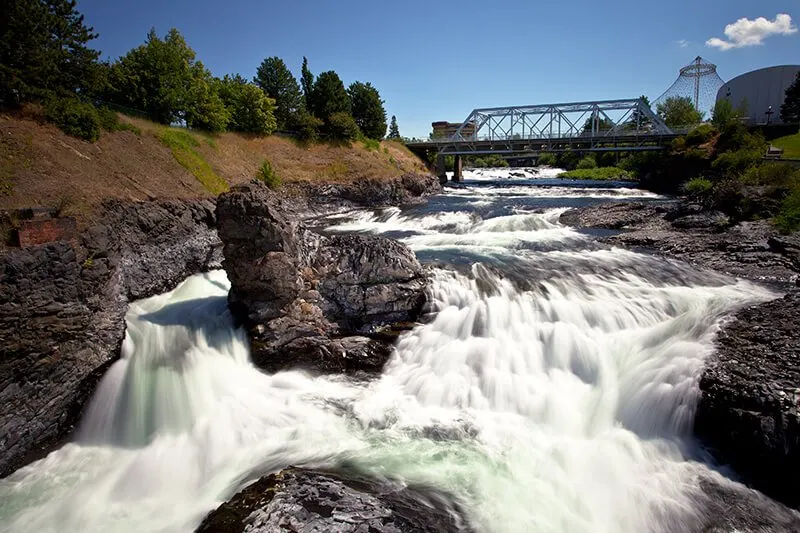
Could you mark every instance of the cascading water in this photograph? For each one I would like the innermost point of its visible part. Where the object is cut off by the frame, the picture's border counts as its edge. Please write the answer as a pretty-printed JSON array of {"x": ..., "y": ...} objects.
[{"x": 552, "y": 388}]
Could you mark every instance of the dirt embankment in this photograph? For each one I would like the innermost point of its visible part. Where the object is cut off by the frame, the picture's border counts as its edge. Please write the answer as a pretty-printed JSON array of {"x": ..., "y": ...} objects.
[{"x": 40, "y": 166}]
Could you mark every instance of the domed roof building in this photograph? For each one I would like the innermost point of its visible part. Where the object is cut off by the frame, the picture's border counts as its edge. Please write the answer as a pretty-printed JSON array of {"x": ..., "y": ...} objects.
[{"x": 760, "y": 92}]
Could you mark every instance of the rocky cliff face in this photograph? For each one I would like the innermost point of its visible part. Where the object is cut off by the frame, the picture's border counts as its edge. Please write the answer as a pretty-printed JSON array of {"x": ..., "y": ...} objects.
[
  {"x": 305, "y": 500},
  {"x": 62, "y": 310},
  {"x": 748, "y": 412},
  {"x": 309, "y": 300}
]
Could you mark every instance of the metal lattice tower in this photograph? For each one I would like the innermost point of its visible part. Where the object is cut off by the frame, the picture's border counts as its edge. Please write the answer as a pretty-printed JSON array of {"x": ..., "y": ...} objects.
[{"x": 697, "y": 81}]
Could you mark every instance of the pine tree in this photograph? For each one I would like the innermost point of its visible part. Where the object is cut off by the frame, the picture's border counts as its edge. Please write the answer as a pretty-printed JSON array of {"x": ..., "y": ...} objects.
[
  {"x": 368, "y": 110},
  {"x": 329, "y": 96},
  {"x": 790, "y": 110},
  {"x": 43, "y": 49},
  {"x": 394, "y": 131},
  {"x": 307, "y": 82},
  {"x": 277, "y": 81}
]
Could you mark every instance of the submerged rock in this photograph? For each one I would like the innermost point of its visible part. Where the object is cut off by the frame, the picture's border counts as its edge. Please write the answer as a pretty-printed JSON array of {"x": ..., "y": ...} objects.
[
  {"x": 748, "y": 412},
  {"x": 305, "y": 500},
  {"x": 308, "y": 300}
]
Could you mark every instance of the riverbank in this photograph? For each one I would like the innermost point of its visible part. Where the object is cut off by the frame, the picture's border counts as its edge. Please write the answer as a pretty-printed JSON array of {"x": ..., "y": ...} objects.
[{"x": 747, "y": 414}]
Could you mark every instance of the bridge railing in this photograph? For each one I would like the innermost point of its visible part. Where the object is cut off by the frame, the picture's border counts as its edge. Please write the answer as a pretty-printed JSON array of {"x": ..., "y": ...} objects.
[{"x": 609, "y": 134}]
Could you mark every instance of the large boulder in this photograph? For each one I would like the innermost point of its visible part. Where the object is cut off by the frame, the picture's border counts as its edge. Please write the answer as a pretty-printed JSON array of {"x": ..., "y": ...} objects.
[
  {"x": 306, "y": 299},
  {"x": 305, "y": 500},
  {"x": 748, "y": 411}
]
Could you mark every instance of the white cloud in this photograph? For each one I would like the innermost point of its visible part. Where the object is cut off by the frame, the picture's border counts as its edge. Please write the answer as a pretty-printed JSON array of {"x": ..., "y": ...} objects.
[
  {"x": 746, "y": 32},
  {"x": 683, "y": 43}
]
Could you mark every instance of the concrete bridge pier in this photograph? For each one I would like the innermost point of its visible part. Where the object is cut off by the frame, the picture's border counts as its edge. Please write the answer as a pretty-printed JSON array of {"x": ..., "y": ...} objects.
[{"x": 457, "y": 168}]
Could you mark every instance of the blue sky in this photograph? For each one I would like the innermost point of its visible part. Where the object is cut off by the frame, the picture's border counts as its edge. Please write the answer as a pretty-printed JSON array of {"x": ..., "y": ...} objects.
[{"x": 435, "y": 60}]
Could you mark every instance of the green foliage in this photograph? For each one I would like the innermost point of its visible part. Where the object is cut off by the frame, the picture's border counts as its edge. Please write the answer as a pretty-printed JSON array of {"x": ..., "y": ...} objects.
[
  {"x": 163, "y": 78},
  {"x": 43, "y": 50},
  {"x": 184, "y": 149},
  {"x": 277, "y": 81},
  {"x": 394, "y": 131},
  {"x": 308, "y": 127},
  {"x": 547, "y": 159},
  {"x": 735, "y": 136},
  {"x": 698, "y": 187},
  {"x": 109, "y": 121},
  {"x": 586, "y": 163},
  {"x": 268, "y": 175},
  {"x": 567, "y": 160},
  {"x": 341, "y": 127},
  {"x": 250, "y": 109},
  {"x": 487, "y": 161},
  {"x": 790, "y": 110},
  {"x": 700, "y": 135},
  {"x": 371, "y": 145},
  {"x": 788, "y": 219},
  {"x": 600, "y": 124},
  {"x": 329, "y": 96},
  {"x": 74, "y": 117},
  {"x": 723, "y": 114},
  {"x": 367, "y": 108},
  {"x": 782, "y": 175},
  {"x": 600, "y": 173},
  {"x": 679, "y": 112},
  {"x": 307, "y": 83},
  {"x": 736, "y": 162}
]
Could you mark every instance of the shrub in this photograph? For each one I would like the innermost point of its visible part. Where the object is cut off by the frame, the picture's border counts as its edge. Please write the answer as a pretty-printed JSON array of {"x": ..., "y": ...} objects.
[
  {"x": 308, "y": 127},
  {"x": 74, "y": 117},
  {"x": 602, "y": 173},
  {"x": 698, "y": 186},
  {"x": 700, "y": 135},
  {"x": 547, "y": 159},
  {"x": 341, "y": 127},
  {"x": 737, "y": 162},
  {"x": 268, "y": 175},
  {"x": 586, "y": 163},
  {"x": 371, "y": 145},
  {"x": 109, "y": 121},
  {"x": 772, "y": 174},
  {"x": 788, "y": 219}
]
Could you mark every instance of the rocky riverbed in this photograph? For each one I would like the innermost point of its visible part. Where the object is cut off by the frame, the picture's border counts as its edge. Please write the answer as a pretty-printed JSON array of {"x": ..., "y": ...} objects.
[{"x": 748, "y": 412}]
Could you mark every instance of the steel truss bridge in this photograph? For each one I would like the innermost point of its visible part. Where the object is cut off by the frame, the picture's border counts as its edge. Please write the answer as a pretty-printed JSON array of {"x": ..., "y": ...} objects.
[{"x": 610, "y": 125}]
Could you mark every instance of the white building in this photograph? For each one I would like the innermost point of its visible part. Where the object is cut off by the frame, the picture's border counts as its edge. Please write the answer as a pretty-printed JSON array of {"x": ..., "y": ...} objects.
[{"x": 761, "y": 92}]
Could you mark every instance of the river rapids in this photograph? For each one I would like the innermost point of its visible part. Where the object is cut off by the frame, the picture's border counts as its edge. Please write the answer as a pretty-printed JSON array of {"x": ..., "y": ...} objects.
[{"x": 551, "y": 388}]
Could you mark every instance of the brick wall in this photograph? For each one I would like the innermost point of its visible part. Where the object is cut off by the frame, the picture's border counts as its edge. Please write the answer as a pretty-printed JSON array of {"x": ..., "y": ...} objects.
[{"x": 41, "y": 231}]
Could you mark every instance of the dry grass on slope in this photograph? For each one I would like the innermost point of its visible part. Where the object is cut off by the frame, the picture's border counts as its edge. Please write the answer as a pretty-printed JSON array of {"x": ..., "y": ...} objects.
[{"x": 42, "y": 167}]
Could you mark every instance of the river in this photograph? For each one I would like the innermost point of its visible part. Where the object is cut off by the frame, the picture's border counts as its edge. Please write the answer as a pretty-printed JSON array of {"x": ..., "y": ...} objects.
[{"x": 551, "y": 388}]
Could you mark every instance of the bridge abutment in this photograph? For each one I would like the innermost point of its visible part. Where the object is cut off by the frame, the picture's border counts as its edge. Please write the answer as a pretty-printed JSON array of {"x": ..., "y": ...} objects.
[
  {"x": 457, "y": 168},
  {"x": 441, "y": 171}
]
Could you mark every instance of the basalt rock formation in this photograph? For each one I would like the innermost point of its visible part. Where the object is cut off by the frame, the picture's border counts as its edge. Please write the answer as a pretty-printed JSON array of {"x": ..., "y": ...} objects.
[
  {"x": 305, "y": 500},
  {"x": 308, "y": 300},
  {"x": 748, "y": 412},
  {"x": 62, "y": 311}
]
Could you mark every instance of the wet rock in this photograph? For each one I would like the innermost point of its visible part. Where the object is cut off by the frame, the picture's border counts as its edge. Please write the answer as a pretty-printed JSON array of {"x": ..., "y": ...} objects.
[
  {"x": 750, "y": 250},
  {"x": 299, "y": 293},
  {"x": 748, "y": 412},
  {"x": 305, "y": 500},
  {"x": 405, "y": 189},
  {"x": 729, "y": 507},
  {"x": 62, "y": 310}
]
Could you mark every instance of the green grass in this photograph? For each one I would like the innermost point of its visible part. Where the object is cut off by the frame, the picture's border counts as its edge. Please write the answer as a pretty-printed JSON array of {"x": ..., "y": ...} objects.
[
  {"x": 790, "y": 145},
  {"x": 183, "y": 145},
  {"x": 602, "y": 173}
]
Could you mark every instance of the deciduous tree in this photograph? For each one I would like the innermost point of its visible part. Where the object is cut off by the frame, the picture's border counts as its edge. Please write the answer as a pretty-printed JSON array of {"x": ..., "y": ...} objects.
[
  {"x": 307, "y": 82},
  {"x": 679, "y": 111},
  {"x": 251, "y": 110}
]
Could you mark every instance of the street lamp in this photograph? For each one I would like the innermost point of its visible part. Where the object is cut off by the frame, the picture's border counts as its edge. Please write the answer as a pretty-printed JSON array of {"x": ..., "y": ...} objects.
[{"x": 769, "y": 114}]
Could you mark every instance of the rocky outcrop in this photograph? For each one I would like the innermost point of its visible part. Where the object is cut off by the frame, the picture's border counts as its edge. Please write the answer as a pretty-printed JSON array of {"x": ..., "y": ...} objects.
[
  {"x": 309, "y": 300},
  {"x": 752, "y": 250},
  {"x": 62, "y": 309},
  {"x": 305, "y": 500},
  {"x": 369, "y": 192},
  {"x": 748, "y": 412}
]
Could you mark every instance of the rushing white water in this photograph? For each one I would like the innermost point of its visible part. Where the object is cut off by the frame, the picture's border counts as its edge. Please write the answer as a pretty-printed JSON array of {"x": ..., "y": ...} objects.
[{"x": 554, "y": 396}]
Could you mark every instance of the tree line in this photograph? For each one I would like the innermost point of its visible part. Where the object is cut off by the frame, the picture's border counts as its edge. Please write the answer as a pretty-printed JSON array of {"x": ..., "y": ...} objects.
[{"x": 45, "y": 57}]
